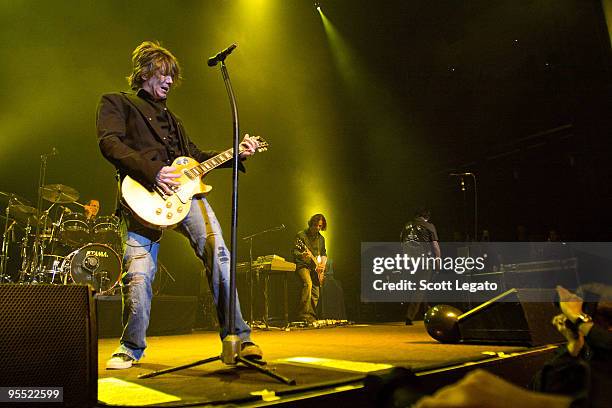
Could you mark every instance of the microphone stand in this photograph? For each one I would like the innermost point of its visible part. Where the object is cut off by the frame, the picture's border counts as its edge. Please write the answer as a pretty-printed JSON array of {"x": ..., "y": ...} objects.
[
  {"x": 463, "y": 189},
  {"x": 251, "y": 301},
  {"x": 4, "y": 253},
  {"x": 465, "y": 209},
  {"x": 37, "y": 250},
  {"x": 475, "y": 238},
  {"x": 475, "y": 207},
  {"x": 230, "y": 353}
]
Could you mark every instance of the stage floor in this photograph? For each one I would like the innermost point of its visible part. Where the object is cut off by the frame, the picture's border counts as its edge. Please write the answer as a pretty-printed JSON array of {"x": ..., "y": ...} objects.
[{"x": 313, "y": 357}]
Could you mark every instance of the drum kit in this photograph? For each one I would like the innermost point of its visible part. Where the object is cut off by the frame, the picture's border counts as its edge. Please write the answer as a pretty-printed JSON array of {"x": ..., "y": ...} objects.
[{"x": 57, "y": 245}]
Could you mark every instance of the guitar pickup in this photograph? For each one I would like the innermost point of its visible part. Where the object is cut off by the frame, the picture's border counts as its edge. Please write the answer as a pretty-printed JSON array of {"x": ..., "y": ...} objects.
[{"x": 159, "y": 191}]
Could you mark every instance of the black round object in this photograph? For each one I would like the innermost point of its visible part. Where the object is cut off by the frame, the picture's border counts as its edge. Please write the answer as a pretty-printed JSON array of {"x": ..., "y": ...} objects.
[
  {"x": 442, "y": 324},
  {"x": 97, "y": 265}
]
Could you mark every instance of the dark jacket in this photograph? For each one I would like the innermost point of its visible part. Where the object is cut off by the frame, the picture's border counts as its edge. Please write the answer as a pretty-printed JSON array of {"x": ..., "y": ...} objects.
[
  {"x": 130, "y": 137},
  {"x": 316, "y": 245}
]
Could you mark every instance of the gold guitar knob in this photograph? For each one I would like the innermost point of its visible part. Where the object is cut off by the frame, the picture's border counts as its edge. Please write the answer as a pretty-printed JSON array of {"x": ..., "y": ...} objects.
[
  {"x": 158, "y": 211},
  {"x": 169, "y": 215},
  {"x": 179, "y": 210},
  {"x": 168, "y": 204}
]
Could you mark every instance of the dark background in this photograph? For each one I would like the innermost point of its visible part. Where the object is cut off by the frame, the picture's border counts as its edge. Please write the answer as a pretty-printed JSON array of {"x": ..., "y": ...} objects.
[{"x": 366, "y": 111}]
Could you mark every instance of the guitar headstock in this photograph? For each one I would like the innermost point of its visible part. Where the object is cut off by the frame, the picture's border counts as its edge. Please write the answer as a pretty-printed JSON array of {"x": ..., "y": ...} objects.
[
  {"x": 263, "y": 144},
  {"x": 300, "y": 245}
]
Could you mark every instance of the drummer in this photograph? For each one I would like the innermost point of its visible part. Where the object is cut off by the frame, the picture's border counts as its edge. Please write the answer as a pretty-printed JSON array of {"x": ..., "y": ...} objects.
[{"x": 91, "y": 209}]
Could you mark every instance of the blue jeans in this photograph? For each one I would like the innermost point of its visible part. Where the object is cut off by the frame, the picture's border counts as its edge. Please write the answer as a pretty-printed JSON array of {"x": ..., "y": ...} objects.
[{"x": 202, "y": 229}]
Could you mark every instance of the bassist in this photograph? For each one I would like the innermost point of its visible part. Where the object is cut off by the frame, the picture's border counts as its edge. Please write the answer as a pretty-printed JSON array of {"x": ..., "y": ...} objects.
[{"x": 310, "y": 256}]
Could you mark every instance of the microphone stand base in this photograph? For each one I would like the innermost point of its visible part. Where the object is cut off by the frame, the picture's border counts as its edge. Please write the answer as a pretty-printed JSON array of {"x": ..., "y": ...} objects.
[{"x": 231, "y": 349}]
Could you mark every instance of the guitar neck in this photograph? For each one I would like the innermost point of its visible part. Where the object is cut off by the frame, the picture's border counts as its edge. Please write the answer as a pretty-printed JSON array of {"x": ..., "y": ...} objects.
[
  {"x": 213, "y": 162},
  {"x": 310, "y": 255}
]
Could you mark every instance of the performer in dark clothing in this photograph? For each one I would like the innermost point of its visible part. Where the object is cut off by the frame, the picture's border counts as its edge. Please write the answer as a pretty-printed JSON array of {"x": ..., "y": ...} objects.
[
  {"x": 420, "y": 230},
  {"x": 310, "y": 257},
  {"x": 142, "y": 137},
  {"x": 419, "y": 237}
]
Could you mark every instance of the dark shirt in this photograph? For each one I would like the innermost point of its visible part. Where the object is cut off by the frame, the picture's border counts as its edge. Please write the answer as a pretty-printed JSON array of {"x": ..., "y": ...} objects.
[
  {"x": 315, "y": 243},
  {"x": 167, "y": 123},
  {"x": 419, "y": 230},
  {"x": 417, "y": 235}
]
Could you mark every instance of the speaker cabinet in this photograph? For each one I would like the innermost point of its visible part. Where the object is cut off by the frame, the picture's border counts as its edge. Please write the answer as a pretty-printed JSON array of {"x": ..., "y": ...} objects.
[
  {"x": 48, "y": 339},
  {"x": 332, "y": 300},
  {"x": 542, "y": 274},
  {"x": 518, "y": 316}
]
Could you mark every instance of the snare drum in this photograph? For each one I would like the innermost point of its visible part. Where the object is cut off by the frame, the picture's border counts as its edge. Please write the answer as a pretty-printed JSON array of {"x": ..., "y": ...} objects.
[
  {"x": 96, "y": 265},
  {"x": 106, "y": 230},
  {"x": 74, "y": 230}
]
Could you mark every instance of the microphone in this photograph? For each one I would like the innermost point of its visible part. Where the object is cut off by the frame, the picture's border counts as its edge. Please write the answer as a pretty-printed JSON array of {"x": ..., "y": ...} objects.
[
  {"x": 65, "y": 209},
  {"x": 212, "y": 61},
  {"x": 460, "y": 174}
]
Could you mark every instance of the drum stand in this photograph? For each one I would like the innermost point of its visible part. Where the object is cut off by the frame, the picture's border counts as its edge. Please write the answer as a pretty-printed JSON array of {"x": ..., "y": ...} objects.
[
  {"x": 39, "y": 247},
  {"x": 23, "y": 270},
  {"x": 4, "y": 254}
]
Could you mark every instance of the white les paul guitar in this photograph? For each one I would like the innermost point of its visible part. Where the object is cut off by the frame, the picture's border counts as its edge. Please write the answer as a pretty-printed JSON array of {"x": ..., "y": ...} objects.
[{"x": 160, "y": 210}]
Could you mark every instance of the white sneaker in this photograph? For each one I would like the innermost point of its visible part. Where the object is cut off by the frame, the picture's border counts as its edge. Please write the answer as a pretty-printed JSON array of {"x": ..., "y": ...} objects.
[{"x": 119, "y": 362}]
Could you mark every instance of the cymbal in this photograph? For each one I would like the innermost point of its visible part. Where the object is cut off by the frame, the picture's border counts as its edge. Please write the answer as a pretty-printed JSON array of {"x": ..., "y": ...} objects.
[
  {"x": 13, "y": 198},
  {"x": 24, "y": 213},
  {"x": 12, "y": 223},
  {"x": 59, "y": 193}
]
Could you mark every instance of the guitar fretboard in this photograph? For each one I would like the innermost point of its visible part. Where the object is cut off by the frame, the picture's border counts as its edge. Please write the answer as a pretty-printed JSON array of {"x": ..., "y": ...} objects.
[{"x": 213, "y": 162}]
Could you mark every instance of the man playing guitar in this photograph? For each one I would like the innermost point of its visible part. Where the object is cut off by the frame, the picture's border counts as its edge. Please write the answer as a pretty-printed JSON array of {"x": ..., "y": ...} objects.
[
  {"x": 141, "y": 137},
  {"x": 310, "y": 257}
]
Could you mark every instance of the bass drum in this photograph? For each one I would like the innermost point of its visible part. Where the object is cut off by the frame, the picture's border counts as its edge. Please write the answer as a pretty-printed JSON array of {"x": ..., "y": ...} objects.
[{"x": 97, "y": 265}]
